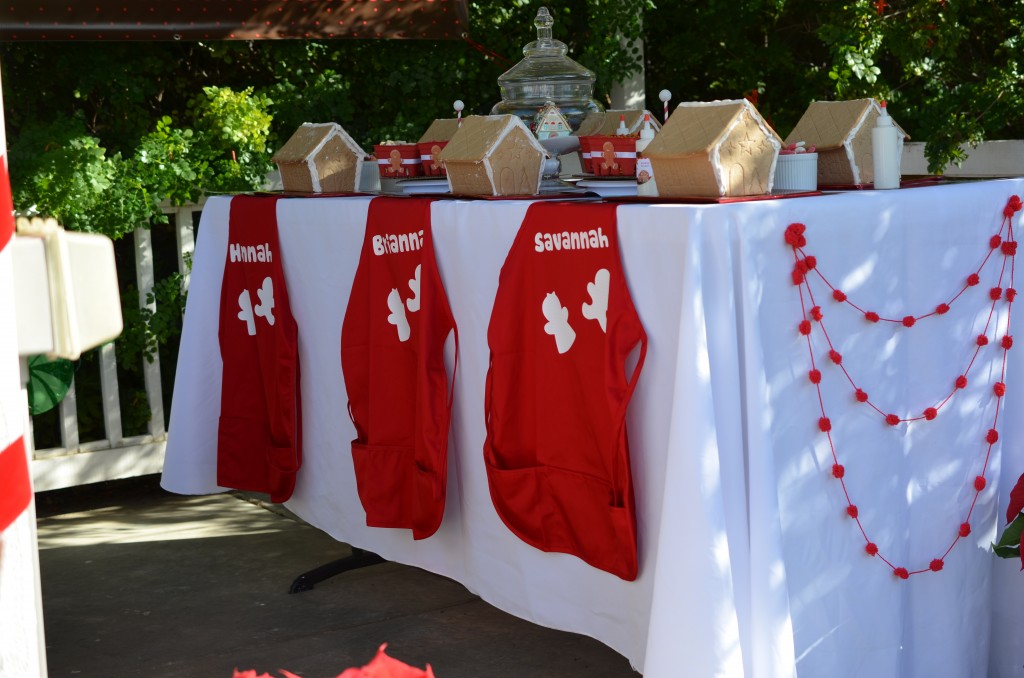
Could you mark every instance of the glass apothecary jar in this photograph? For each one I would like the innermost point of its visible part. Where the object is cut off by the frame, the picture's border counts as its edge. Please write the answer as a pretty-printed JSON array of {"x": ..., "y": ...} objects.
[{"x": 547, "y": 74}]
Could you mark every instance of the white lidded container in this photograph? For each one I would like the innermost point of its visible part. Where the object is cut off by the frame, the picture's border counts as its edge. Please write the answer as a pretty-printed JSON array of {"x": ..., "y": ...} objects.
[{"x": 796, "y": 172}]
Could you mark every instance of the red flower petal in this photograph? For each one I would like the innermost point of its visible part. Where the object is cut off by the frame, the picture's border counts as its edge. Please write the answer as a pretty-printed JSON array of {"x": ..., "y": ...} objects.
[
  {"x": 942, "y": 308},
  {"x": 838, "y": 470},
  {"x": 999, "y": 388},
  {"x": 871, "y": 548},
  {"x": 973, "y": 280},
  {"x": 935, "y": 565},
  {"x": 1010, "y": 248},
  {"x": 816, "y": 313},
  {"x": 851, "y": 510},
  {"x": 992, "y": 436},
  {"x": 1007, "y": 342},
  {"x": 871, "y": 317},
  {"x": 838, "y": 295},
  {"x": 814, "y": 376},
  {"x": 794, "y": 235},
  {"x": 1016, "y": 500},
  {"x": 995, "y": 241},
  {"x": 908, "y": 321},
  {"x": 892, "y": 419},
  {"x": 835, "y": 356},
  {"x": 982, "y": 340},
  {"x": 805, "y": 327},
  {"x": 860, "y": 395},
  {"x": 965, "y": 529},
  {"x": 930, "y": 413},
  {"x": 901, "y": 572},
  {"x": 961, "y": 381},
  {"x": 979, "y": 483},
  {"x": 825, "y": 424}
]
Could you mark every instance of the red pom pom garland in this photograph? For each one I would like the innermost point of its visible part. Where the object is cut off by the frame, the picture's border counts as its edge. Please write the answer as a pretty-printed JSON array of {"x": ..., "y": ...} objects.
[{"x": 806, "y": 267}]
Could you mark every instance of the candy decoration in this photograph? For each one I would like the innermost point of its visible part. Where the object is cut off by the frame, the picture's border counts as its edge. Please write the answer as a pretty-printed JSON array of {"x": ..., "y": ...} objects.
[
  {"x": 665, "y": 95},
  {"x": 458, "y": 106}
]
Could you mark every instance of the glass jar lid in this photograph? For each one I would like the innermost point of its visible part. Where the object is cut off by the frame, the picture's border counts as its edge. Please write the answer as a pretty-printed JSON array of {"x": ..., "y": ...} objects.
[{"x": 546, "y": 73}]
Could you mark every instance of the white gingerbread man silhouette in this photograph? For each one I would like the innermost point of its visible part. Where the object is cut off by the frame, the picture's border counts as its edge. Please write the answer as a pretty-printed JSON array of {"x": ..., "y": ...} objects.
[{"x": 558, "y": 322}]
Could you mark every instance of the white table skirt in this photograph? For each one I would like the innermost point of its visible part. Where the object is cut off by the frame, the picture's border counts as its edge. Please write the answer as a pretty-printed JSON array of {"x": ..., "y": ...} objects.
[{"x": 747, "y": 563}]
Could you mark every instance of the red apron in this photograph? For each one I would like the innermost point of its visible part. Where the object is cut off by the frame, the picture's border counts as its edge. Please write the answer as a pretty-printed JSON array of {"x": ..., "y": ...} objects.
[
  {"x": 392, "y": 357},
  {"x": 563, "y": 325},
  {"x": 259, "y": 437}
]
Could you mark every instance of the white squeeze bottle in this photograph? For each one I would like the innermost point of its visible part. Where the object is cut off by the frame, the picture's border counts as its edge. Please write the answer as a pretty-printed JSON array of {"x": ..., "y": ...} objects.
[
  {"x": 645, "y": 185},
  {"x": 885, "y": 150}
]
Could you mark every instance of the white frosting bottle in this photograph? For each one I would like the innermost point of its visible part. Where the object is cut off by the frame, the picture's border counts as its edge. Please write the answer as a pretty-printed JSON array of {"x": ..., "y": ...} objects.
[
  {"x": 645, "y": 185},
  {"x": 885, "y": 149}
]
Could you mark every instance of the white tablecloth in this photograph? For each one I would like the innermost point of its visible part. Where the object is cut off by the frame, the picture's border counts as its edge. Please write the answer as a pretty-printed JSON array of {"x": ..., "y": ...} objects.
[{"x": 748, "y": 565}]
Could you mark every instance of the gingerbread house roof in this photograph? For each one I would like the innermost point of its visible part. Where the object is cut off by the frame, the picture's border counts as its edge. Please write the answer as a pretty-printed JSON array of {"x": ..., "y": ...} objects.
[
  {"x": 310, "y": 138},
  {"x": 830, "y": 124},
  {"x": 442, "y": 129}
]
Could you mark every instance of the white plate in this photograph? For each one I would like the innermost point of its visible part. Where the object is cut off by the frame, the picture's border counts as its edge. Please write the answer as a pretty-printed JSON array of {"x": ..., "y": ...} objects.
[
  {"x": 417, "y": 186},
  {"x": 609, "y": 187}
]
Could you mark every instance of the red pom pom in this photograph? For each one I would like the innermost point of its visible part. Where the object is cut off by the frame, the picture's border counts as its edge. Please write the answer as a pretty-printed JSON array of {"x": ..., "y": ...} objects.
[
  {"x": 973, "y": 279},
  {"x": 892, "y": 419},
  {"x": 800, "y": 265},
  {"x": 992, "y": 436},
  {"x": 851, "y": 510},
  {"x": 814, "y": 376},
  {"x": 908, "y": 321},
  {"x": 935, "y": 565},
  {"x": 838, "y": 295},
  {"x": 871, "y": 317},
  {"x": 838, "y": 470},
  {"x": 798, "y": 278},
  {"x": 1011, "y": 294},
  {"x": 965, "y": 529},
  {"x": 824, "y": 424},
  {"x": 805, "y": 327},
  {"x": 871, "y": 548},
  {"x": 811, "y": 262},
  {"x": 961, "y": 381},
  {"x": 1007, "y": 342},
  {"x": 995, "y": 293},
  {"x": 835, "y": 356},
  {"x": 982, "y": 340},
  {"x": 979, "y": 483},
  {"x": 901, "y": 572},
  {"x": 861, "y": 395},
  {"x": 995, "y": 241},
  {"x": 942, "y": 308},
  {"x": 795, "y": 235},
  {"x": 1012, "y": 205},
  {"x": 1010, "y": 248},
  {"x": 816, "y": 313},
  {"x": 999, "y": 388},
  {"x": 930, "y": 413}
]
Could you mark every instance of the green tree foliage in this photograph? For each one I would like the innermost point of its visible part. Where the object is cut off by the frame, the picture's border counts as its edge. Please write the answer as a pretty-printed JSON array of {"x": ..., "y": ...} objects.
[{"x": 950, "y": 68}]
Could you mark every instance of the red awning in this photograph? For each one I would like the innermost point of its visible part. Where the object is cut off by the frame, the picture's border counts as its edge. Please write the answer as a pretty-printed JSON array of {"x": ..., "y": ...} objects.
[{"x": 231, "y": 19}]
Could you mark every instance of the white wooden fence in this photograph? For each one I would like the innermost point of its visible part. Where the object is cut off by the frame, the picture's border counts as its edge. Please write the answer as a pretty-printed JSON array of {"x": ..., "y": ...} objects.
[{"x": 117, "y": 456}]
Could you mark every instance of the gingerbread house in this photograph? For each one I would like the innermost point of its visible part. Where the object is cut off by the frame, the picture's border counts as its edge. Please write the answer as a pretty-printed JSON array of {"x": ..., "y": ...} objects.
[
  {"x": 494, "y": 155},
  {"x": 714, "y": 149},
  {"x": 841, "y": 131},
  {"x": 320, "y": 158}
]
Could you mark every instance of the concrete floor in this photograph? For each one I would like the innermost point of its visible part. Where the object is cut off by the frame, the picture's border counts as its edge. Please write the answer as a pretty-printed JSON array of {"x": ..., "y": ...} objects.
[{"x": 137, "y": 581}]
